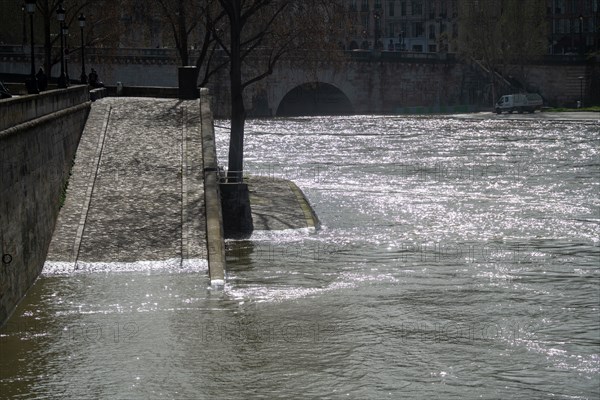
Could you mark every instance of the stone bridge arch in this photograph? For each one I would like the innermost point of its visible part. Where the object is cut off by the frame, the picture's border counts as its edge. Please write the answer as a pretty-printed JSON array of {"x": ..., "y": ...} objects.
[
  {"x": 314, "y": 98},
  {"x": 326, "y": 84}
]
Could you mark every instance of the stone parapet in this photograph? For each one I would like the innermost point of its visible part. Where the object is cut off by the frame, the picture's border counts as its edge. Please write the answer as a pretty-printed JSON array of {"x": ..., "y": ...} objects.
[{"x": 17, "y": 110}]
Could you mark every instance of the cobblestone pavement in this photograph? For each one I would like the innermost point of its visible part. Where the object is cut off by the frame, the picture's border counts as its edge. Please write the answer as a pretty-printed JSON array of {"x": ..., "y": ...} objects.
[{"x": 136, "y": 190}]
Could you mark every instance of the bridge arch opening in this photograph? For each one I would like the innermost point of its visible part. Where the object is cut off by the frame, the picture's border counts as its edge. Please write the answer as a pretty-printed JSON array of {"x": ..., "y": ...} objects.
[{"x": 314, "y": 98}]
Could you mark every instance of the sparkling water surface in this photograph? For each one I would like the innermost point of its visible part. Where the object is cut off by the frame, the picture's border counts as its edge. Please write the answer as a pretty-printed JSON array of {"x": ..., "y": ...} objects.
[{"x": 456, "y": 258}]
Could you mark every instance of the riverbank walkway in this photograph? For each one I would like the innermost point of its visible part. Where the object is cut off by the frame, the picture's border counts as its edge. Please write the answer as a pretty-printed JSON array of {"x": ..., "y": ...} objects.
[
  {"x": 278, "y": 204},
  {"x": 538, "y": 116},
  {"x": 136, "y": 191}
]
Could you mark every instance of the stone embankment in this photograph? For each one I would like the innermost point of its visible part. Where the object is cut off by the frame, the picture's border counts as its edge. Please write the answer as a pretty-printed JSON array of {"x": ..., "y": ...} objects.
[
  {"x": 39, "y": 135},
  {"x": 137, "y": 190}
]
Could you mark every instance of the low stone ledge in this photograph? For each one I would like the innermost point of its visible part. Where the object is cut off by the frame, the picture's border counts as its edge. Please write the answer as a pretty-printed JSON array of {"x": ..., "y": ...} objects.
[
  {"x": 16, "y": 110},
  {"x": 212, "y": 198}
]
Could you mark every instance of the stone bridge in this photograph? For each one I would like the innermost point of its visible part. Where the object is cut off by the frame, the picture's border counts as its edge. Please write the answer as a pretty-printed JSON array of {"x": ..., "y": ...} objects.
[{"x": 366, "y": 82}]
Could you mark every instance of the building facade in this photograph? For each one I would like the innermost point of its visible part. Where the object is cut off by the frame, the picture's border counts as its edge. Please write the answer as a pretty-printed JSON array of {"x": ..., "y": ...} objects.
[
  {"x": 573, "y": 26},
  {"x": 404, "y": 25},
  {"x": 432, "y": 25}
]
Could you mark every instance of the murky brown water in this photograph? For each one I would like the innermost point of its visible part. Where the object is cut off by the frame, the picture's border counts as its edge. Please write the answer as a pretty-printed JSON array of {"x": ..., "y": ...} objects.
[{"x": 457, "y": 259}]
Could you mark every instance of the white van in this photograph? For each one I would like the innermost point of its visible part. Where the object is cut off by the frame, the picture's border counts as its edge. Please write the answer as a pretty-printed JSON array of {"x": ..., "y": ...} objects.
[{"x": 519, "y": 102}]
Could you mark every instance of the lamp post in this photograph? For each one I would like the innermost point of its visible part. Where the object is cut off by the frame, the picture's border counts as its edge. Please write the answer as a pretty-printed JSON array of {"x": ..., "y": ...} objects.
[
  {"x": 581, "y": 92},
  {"x": 60, "y": 16},
  {"x": 81, "y": 20},
  {"x": 67, "y": 57},
  {"x": 32, "y": 86},
  {"x": 377, "y": 24},
  {"x": 581, "y": 46},
  {"x": 402, "y": 36},
  {"x": 24, "y": 25}
]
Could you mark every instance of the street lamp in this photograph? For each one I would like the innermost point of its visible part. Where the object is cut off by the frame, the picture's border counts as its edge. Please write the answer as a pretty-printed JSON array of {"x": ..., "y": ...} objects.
[
  {"x": 581, "y": 92},
  {"x": 32, "y": 86},
  {"x": 67, "y": 57},
  {"x": 402, "y": 40},
  {"x": 377, "y": 21},
  {"x": 60, "y": 16},
  {"x": 24, "y": 25},
  {"x": 581, "y": 47},
  {"x": 81, "y": 20}
]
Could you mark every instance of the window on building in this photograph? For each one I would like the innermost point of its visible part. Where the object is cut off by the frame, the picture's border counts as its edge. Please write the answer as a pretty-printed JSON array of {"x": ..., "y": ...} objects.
[
  {"x": 443, "y": 9},
  {"x": 405, "y": 30},
  {"x": 403, "y": 8},
  {"x": 419, "y": 30},
  {"x": 417, "y": 48},
  {"x": 391, "y": 8},
  {"x": 432, "y": 48},
  {"x": 417, "y": 8},
  {"x": 353, "y": 5},
  {"x": 365, "y": 5},
  {"x": 365, "y": 22},
  {"x": 431, "y": 31},
  {"x": 431, "y": 10},
  {"x": 391, "y": 30},
  {"x": 377, "y": 4}
]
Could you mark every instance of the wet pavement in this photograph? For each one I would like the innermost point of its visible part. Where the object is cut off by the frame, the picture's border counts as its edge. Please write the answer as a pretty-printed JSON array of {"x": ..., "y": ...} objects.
[
  {"x": 136, "y": 191},
  {"x": 279, "y": 204}
]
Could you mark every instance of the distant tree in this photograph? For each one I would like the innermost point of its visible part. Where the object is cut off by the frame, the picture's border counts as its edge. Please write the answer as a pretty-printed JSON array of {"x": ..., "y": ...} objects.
[
  {"x": 184, "y": 18},
  {"x": 498, "y": 33},
  {"x": 525, "y": 29},
  {"x": 261, "y": 33},
  {"x": 190, "y": 24}
]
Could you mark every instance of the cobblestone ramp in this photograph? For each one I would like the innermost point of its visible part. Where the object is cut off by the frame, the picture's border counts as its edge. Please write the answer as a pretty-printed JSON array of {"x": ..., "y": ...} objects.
[{"x": 136, "y": 190}]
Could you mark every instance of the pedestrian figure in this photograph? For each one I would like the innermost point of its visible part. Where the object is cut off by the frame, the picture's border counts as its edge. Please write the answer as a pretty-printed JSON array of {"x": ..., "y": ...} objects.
[
  {"x": 93, "y": 79},
  {"x": 42, "y": 79},
  {"x": 4, "y": 93}
]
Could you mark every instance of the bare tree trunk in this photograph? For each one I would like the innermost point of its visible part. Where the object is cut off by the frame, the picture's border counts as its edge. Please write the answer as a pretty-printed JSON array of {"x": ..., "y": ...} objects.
[
  {"x": 493, "y": 83},
  {"x": 183, "y": 35},
  {"x": 238, "y": 111}
]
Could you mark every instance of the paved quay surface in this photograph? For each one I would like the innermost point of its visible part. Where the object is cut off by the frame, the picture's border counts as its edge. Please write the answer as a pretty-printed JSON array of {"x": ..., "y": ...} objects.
[
  {"x": 552, "y": 116},
  {"x": 136, "y": 191},
  {"x": 279, "y": 204}
]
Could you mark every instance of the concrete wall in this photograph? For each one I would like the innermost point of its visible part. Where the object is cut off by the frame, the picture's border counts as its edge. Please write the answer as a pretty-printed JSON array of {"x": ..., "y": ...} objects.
[{"x": 36, "y": 154}]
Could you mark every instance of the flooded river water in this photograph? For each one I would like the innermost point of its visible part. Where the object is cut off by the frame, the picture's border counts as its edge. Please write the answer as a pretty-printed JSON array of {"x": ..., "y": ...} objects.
[{"x": 456, "y": 258}]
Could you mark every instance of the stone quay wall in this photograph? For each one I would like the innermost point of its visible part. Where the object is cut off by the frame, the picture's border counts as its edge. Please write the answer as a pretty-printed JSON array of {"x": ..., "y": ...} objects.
[
  {"x": 39, "y": 135},
  {"x": 388, "y": 82}
]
